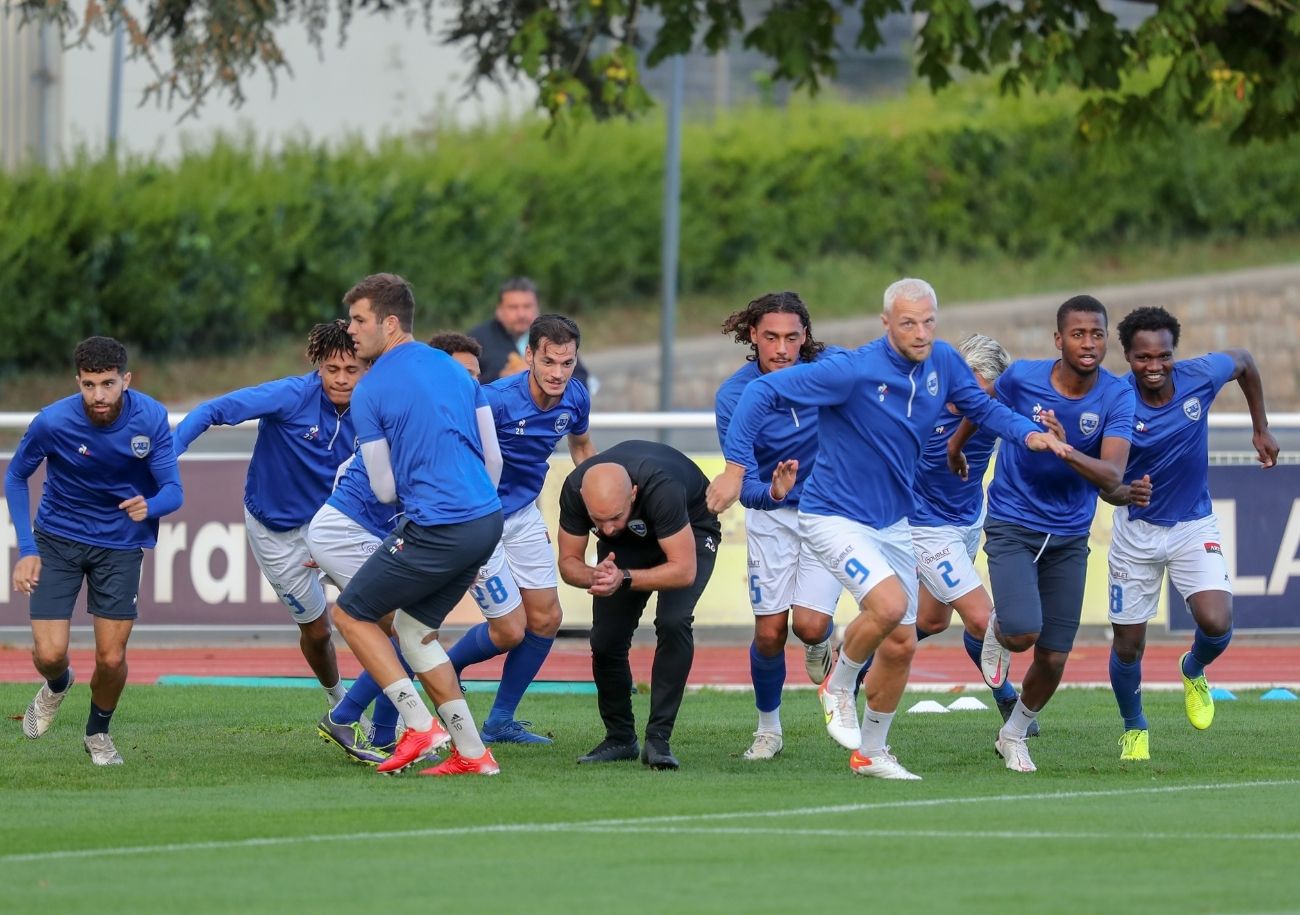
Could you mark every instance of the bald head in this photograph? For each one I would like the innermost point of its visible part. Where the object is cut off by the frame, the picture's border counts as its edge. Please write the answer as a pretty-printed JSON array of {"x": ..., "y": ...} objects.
[{"x": 607, "y": 491}]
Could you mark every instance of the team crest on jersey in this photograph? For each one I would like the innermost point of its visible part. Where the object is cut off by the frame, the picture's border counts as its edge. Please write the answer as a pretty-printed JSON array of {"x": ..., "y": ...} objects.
[
  {"x": 1192, "y": 408},
  {"x": 932, "y": 383},
  {"x": 637, "y": 527},
  {"x": 561, "y": 423},
  {"x": 1089, "y": 422},
  {"x": 141, "y": 445}
]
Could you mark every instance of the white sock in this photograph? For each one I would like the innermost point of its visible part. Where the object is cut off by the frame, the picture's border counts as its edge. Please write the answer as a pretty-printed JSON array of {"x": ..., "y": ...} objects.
[
  {"x": 335, "y": 693},
  {"x": 1018, "y": 721},
  {"x": 770, "y": 721},
  {"x": 875, "y": 731},
  {"x": 845, "y": 674},
  {"x": 415, "y": 715},
  {"x": 460, "y": 723}
]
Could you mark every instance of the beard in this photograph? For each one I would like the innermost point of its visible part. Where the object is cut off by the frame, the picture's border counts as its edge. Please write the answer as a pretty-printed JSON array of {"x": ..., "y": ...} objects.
[{"x": 106, "y": 419}]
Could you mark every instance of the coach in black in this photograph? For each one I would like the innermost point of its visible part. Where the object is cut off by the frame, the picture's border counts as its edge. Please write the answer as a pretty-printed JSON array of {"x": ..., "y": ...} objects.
[{"x": 645, "y": 503}]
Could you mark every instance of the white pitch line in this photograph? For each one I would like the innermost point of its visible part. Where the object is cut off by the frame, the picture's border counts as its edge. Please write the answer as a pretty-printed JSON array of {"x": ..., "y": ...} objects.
[
  {"x": 616, "y": 825},
  {"x": 941, "y": 833}
]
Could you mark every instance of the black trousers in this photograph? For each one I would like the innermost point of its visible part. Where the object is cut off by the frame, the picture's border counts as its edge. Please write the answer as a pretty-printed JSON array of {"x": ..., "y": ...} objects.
[{"x": 615, "y": 618}]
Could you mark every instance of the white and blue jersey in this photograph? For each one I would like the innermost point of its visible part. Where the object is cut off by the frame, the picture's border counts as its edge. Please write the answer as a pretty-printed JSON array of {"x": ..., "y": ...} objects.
[
  {"x": 877, "y": 410},
  {"x": 942, "y": 497},
  {"x": 423, "y": 402},
  {"x": 527, "y": 434},
  {"x": 1171, "y": 443},
  {"x": 90, "y": 470},
  {"x": 788, "y": 432},
  {"x": 302, "y": 438},
  {"x": 1040, "y": 491},
  {"x": 353, "y": 497}
]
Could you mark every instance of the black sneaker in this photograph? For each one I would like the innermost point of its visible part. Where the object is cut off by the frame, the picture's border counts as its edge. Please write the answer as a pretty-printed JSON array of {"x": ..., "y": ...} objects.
[
  {"x": 1007, "y": 706},
  {"x": 610, "y": 750},
  {"x": 656, "y": 754}
]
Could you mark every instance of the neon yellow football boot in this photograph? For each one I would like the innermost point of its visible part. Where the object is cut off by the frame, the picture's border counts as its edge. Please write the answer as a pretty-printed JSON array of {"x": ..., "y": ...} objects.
[
  {"x": 1196, "y": 698},
  {"x": 1134, "y": 745}
]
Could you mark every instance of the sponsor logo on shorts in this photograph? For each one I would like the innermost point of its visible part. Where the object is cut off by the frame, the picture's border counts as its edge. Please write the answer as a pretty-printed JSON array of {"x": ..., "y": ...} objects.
[
  {"x": 637, "y": 527},
  {"x": 932, "y": 558},
  {"x": 847, "y": 551},
  {"x": 562, "y": 422},
  {"x": 1192, "y": 408},
  {"x": 1089, "y": 423},
  {"x": 710, "y": 545},
  {"x": 369, "y": 547},
  {"x": 1118, "y": 574},
  {"x": 141, "y": 445},
  {"x": 1213, "y": 548},
  {"x": 932, "y": 383},
  {"x": 397, "y": 546}
]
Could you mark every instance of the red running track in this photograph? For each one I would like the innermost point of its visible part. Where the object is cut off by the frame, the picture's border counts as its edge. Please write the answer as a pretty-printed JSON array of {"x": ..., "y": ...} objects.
[{"x": 935, "y": 665}]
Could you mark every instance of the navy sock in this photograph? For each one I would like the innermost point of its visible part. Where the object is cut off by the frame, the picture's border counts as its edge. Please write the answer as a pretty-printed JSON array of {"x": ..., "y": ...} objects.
[
  {"x": 923, "y": 634},
  {"x": 474, "y": 646},
  {"x": 830, "y": 628},
  {"x": 385, "y": 719},
  {"x": 862, "y": 674},
  {"x": 523, "y": 662},
  {"x": 1126, "y": 682},
  {"x": 1205, "y": 648},
  {"x": 61, "y": 682},
  {"x": 768, "y": 675},
  {"x": 99, "y": 720},
  {"x": 363, "y": 691}
]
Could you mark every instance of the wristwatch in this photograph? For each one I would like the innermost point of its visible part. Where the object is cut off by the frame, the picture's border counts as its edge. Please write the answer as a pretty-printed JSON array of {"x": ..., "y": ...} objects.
[{"x": 627, "y": 580}]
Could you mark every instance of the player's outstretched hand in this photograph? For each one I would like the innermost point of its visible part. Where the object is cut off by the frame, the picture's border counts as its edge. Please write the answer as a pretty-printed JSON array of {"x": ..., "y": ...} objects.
[
  {"x": 1048, "y": 419},
  {"x": 27, "y": 572},
  {"x": 135, "y": 507},
  {"x": 783, "y": 478},
  {"x": 606, "y": 578},
  {"x": 1266, "y": 448},
  {"x": 725, "y": 489},
  {"x": 1046, "y": 441}
]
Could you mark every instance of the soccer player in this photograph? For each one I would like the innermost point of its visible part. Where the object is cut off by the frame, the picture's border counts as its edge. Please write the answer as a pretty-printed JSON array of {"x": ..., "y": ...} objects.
[
  {"x": 347, "y": 529},
  {"x": 304, "y": 433},
  {"x": 1040, "y": 511},
  {"x": 417, "y": 416},
  {"x": 645, "y": 501},
  {"x": 1177, "y": 531},
  {"x": 877, "y": 406},
  {"x": 517, "y": 589},
  {"x": 461, "y": 347},
  {"x": 110, "y": 475},
  {"x": 947, "y": 523},
  {"x": 784, "y": 577}
]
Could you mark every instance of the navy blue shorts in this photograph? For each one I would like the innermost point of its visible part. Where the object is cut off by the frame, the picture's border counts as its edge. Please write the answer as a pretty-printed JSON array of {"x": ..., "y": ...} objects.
[
  {"x": 424, "y": 571},
  {"x": 1037, "y": 582},
  {"x": 112, "y": 579}
]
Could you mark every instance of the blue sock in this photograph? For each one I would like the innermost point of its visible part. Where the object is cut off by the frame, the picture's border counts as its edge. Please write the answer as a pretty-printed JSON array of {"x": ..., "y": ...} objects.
[
  {"x": 862, "y": 674},
  {"x": 522, "y": 664},
  {"x": 384, "y": 719},
  {"x": 1126, "y": 682},
  {"x": 360, "y": 694},
  {"x": 1205, "y": 648},
  {"x": 60, "y": 683},
  {"x": 923, "y": 634},
  {"x": 99, "y": 720},
  {"x": 768, "y": 675},
  {"x": 830, "y": 628},
  {"x": 474, "y": 646}
]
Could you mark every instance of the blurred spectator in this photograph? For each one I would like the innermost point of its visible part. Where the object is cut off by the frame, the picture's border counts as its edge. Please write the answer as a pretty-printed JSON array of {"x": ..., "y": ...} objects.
[{"x": 504, "y": 336}]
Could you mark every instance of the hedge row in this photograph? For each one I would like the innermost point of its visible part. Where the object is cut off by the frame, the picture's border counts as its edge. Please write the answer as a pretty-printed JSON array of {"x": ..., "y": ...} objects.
[{"x": 224, "y": 247}]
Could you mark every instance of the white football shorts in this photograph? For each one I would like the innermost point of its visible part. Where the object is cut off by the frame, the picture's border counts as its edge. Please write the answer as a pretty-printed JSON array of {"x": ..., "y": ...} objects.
[
  {"x": 283, "y": 556},
  {"x": 945, "y": 560},
  {"x": 783, "y": 571},
  {"x": 862, "y": 557},
  {"x": 339, "y": 545},
  {"x": 1140, "y": 552},
  {"x": 522, "y": 560}
]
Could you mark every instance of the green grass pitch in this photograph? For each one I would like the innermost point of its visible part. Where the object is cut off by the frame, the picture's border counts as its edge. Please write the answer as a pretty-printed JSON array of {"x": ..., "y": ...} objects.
[{"x": 229, "y": 803}]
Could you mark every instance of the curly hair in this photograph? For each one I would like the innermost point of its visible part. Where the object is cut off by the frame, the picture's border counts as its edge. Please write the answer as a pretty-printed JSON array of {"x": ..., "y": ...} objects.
[
  {"x": 329, "y": 339},
  {"x": 1147, "y": 317},
  {"x": 99, "y": 354},
  {"x": 452, "y": 342},
  {"x": 741, "y": 324}
]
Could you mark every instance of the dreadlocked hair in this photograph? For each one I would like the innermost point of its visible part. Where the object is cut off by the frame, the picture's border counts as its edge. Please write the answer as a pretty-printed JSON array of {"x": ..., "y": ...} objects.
[
  {"x": 328, "y": 339},
  {"x": 741, "y": 324}
]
